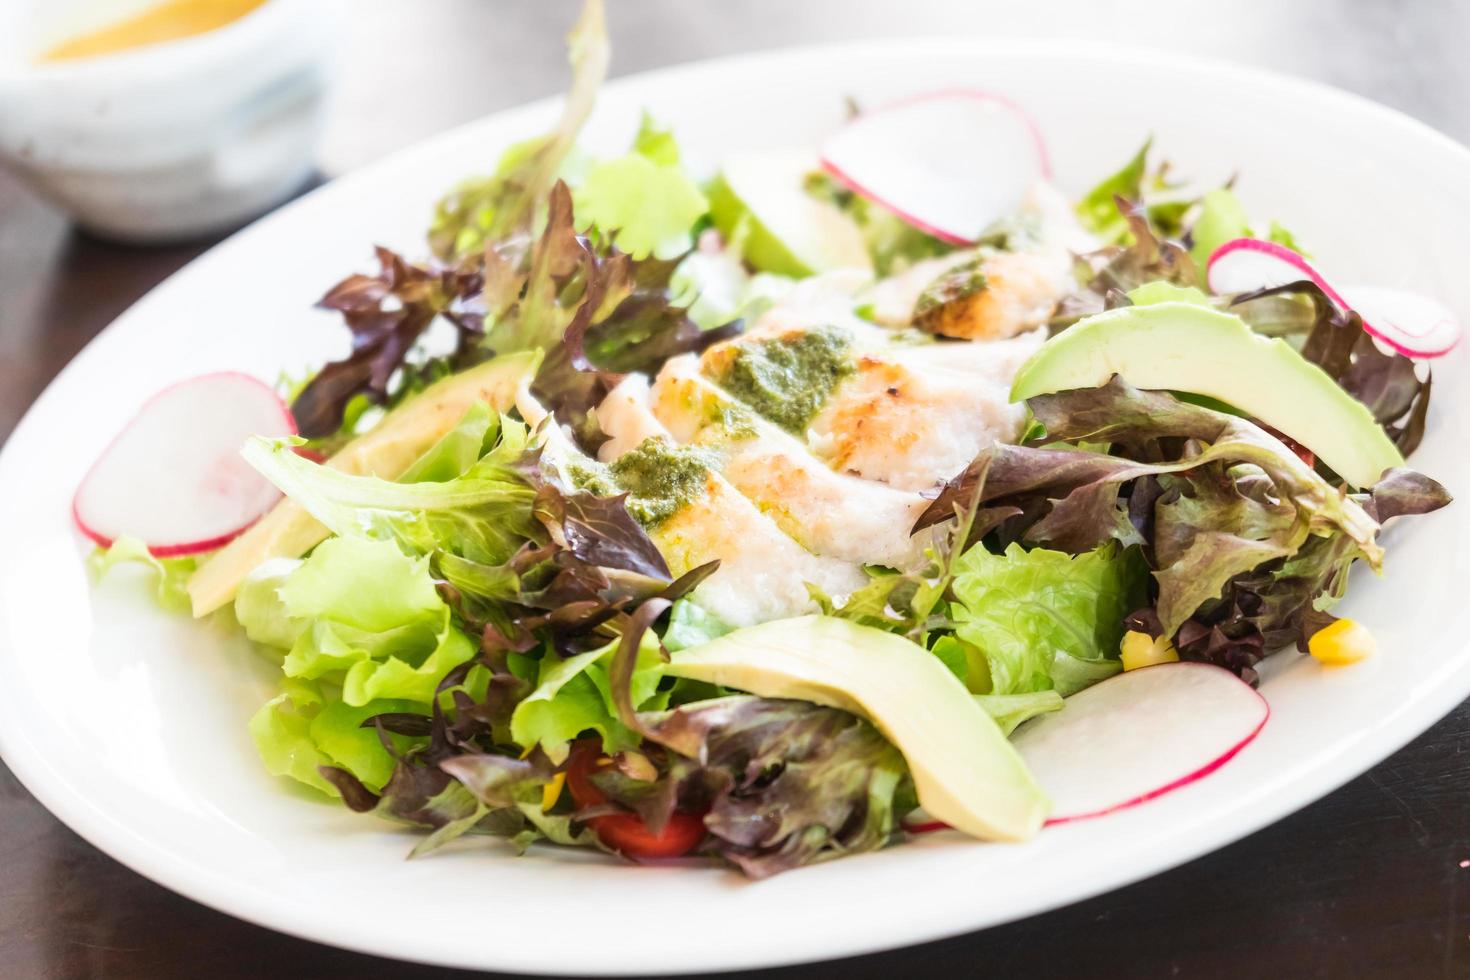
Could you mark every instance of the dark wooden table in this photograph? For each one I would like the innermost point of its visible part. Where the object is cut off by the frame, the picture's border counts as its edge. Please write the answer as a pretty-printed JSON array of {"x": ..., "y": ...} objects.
[{"x": 1374, "y": 880}]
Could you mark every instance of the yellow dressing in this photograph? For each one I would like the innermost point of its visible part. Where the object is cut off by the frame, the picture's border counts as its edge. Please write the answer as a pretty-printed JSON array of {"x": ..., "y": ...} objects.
[{"x": 168, "y": 21}]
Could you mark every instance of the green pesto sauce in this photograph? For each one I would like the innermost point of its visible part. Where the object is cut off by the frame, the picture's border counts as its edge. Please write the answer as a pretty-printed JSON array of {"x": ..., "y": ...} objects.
[
  {"x": 660, "y": 478},
  {"x": 961, "y": 282},
  {"x": 737, "y": 420},
  {"x": 592, "y": 477},
  {"x": 788, "y": 379}
]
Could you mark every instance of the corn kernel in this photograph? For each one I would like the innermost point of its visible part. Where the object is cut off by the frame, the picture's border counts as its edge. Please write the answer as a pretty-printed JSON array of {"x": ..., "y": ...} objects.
[
  {"x": 1142, "y": 650},
  {"x": 1343, "y": 642},
  {"x": 551, "y": 792}
]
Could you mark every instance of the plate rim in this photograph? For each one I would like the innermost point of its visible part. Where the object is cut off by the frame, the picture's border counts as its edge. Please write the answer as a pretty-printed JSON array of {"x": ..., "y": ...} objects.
[{"x": 69, "y": 803}]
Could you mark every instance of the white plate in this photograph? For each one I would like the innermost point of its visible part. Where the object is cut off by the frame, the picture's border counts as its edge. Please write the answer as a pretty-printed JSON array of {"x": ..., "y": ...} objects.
[{"x": 130, "y": 725}]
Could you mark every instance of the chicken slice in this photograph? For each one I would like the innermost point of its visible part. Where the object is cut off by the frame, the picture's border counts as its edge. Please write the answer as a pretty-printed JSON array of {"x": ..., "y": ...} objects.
[
  {"x": 763, "y": 573},
  {"x": 826, "y": 512},
  {"x": 908, "y": 413},
  {"x": 911, "y": 429},
  {"x": 985, "y": 294},
  {"x": 991, "y": 297}
]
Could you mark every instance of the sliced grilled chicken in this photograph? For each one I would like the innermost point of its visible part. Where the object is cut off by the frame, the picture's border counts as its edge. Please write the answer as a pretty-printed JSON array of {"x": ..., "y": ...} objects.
[
  {"x": 826, "y": 512},
  {"x": 900, "y": 420},
  {"x": 763, "y": 573},
  {"x": 984, "y": 294},
  {"x": 991, "y": 297},
  {"x": 909, "y": 412}
]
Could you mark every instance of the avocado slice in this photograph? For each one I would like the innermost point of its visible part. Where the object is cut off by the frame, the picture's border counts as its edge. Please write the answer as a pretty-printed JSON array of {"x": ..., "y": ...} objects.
[
  {"x": 964, "y": 770},
  {"x": 1182, "y": 346},
  {"x": 786, "y": 230},
  {"x": 386, "y": 450}
]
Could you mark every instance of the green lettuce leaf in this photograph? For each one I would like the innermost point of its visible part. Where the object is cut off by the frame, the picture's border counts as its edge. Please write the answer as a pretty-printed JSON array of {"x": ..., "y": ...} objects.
[
  {"x": 303, "y": 729},
  {"x": 475, "y": 434},
  {"x": 282, "y": 733},
  {"x": 483, "y": 515},
  {"x": 1031, "y": 612},
  {"x": 1281, "y": 235},
  {"x": 656, "y": 143},
  {"x": 1245, "y": 539},
  {"x": 1010, "y": 711},
  {"x": 643, "y": 208},
  {"x": 259, "y": 609},
  {"x": 360, "y": 613},
  {"x": 690, "y": 626},
  {"x": 1163, "y": 201},
  {"x": 338, "y": 733},
  {"x": 1221, "y": 218},
  {"x": 574, "y": 695},
  {"x": 1098, "y": 209},
  {"x": 171, "y": 574}
]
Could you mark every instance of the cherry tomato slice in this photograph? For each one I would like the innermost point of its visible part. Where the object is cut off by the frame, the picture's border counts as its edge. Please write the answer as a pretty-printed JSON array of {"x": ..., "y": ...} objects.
[
  {"x": 626, "y": 833},
  {"x": 306, "y": 452},
  {"x": 1302, "y": 452},
  {"x": 585, "y": 759}
]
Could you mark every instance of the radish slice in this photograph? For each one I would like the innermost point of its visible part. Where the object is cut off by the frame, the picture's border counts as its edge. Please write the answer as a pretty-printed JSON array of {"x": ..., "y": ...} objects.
[
  {"x": 174, "y": 477},
  {"x": 919, "y": 822},
  {"x": 1413, "y": 325},
  {"x": 948, "y": 163},
  {"x": 1410, "y": 323},
  {"x": 1245, "y": 264},
  {"x": 1139, "y": 735}
]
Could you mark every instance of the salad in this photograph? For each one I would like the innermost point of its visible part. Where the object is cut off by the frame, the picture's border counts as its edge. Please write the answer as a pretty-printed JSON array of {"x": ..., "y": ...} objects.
[{"x": 778, "y": 514}]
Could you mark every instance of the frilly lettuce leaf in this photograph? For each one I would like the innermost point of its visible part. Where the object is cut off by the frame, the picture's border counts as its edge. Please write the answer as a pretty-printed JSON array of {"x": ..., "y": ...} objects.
[
  {"x": 573, "y": 695},
  {"x": 1282, "y": 235},
  {"x": 1032, "y": 611},
  {"x": 303, "y": 729},
  {"x": 400, "y": 677},
  {"x": 1221, "y": 218},
  {"x": 364, "y": 586},
  {"x": 475, "y": 434},
  {"x": 483, "y": 515},
  {"x": 1161, "y": 199},
  {"x": 1010, "y": 711},
  {"x": 387, "y": 313},
  {"x": 656, "y": 143},
  {"x": 259, "y": 609},
  {"x": 642, "y": 207},
  {"x": 788, "y": 783},
  {"x": 359, "y": 613},
  {"x": 691, "y": 625},
  {"x": 282, "y": 733},
  {"x": 172, "y": 574},
  {"x": 1244, "y": 538},
  {"x": 1098, "y": 210}
]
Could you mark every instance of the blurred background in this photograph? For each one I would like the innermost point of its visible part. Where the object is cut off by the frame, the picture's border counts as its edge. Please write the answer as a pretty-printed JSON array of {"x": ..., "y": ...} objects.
[{"x": 396, "y": 71}]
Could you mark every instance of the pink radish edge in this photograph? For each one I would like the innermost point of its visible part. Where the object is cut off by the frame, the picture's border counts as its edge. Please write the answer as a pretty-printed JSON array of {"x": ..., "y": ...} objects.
[
  {"x": 978, "y": 95},
  {"x": 1283, "y": 254},
  {"x": 930, "y": 826},
  {"x": 1184, "y": 780},
  {"x": 186, "y": 548},
  {"x": 1276, "y": 251}
]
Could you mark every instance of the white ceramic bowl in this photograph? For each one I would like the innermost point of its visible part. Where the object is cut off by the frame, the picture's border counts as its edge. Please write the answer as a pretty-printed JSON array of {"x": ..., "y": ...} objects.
[
  {"x": 129, "y": 724},
  {"x": 167, "y": 141}
]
